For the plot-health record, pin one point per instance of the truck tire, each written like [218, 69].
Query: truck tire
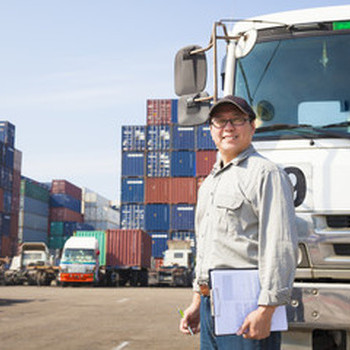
[144, 278]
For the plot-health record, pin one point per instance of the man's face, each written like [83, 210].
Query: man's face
[231, 140]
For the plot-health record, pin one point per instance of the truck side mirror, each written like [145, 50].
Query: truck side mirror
[192, 113]
[190, 71]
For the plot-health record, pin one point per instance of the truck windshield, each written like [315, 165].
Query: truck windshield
[78, 255]
[31, 258]
[298, 84]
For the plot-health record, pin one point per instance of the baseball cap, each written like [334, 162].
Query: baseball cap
[238, 102]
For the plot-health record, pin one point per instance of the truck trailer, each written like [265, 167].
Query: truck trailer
[293, 68]
[109, 258]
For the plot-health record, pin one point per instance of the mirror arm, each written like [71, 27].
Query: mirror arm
[213, 44]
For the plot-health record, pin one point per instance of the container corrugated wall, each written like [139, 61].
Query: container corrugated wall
[64, 214]
[183, 164]
[133, 190]
[66, 201]
[133, 164]
[157, 217]
[133, 138]
[183, 138]
[102, 240]
[204, 162]
[183, 190]
[204, 140]
[159, 243]
[182, 217]
[128, 248]
[65, 187]
[157, 190]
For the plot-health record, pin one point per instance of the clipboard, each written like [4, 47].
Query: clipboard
[234, 294]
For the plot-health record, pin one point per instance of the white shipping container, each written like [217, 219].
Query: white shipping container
[101, 214]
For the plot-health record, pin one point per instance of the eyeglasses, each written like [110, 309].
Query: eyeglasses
[221, 123]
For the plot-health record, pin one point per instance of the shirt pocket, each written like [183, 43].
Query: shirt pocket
[229, 213]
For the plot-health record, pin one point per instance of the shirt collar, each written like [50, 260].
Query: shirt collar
[236, 161]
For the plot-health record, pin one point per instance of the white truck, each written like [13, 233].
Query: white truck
[79, 262]
[294, 69]
[33, 265]
[177, 267]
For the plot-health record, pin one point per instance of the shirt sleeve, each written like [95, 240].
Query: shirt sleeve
[277, 238]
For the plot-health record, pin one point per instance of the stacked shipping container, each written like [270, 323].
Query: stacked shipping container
[161, 174]
[33, 219]
[98, 211]
[10, 181]
[65, 212]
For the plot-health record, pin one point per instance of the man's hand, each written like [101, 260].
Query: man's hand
[257, 324]
[191, 316]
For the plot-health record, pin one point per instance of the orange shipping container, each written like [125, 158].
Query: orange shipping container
[183, 190]
[204, 162]
[157, 190]
[64, 214]
[127, 248]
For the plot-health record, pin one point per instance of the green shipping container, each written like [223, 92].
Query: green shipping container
[101, 238]
[57, 242]
[32, 190]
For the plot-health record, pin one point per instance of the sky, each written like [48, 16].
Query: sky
[72, 72]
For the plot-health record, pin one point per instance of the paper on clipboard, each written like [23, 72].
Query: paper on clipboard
[234, 295]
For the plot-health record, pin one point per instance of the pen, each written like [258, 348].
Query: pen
[182, 316]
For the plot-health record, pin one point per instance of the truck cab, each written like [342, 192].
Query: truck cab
[79, 261]
[293, 68]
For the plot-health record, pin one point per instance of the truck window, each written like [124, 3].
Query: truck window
[286, 78]
[78, 255]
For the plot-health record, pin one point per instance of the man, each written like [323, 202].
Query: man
[244, 219]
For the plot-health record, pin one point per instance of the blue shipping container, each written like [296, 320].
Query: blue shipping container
[133, 164]
[7, 133]
[34, 206]
[158, 164]
[133, 138]
[183, 164]
[30, 235]
[157, 217]
[5, 224]
[204, 140]
[182, 217]
[35, 222]
[7, 201]
[9, 157]
[183, 137]
[133, 190]
[159, 244]
[174, 104]
[132, 216]
[158, 137]
[65, 201]
[6, 178]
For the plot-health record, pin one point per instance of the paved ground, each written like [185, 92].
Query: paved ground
[71, 318]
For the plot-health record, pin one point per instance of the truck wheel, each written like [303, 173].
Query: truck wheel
[134, 279]
[144, 279]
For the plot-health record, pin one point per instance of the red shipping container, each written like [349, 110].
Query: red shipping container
[1, 200]
[183, 190]
[159, 112]
[128, 248]
[8, 246]
[157, 190]
[64, 214]
[63, 186]
[14, 225]
[204, 162]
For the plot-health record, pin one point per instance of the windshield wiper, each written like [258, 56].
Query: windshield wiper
[336, 125]
[322, 131]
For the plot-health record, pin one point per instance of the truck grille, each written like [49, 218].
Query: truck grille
[342, 249]
[338, 221]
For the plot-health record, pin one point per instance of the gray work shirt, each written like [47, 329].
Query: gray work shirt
[245, 218]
